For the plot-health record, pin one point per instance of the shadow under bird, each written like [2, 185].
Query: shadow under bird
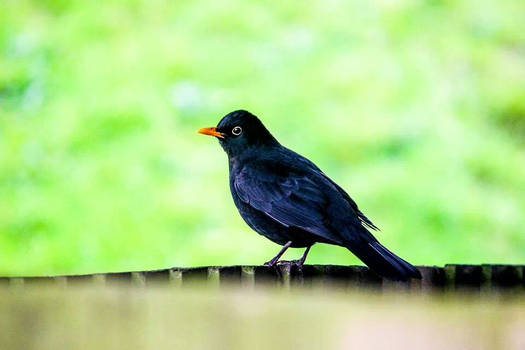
[289, 200]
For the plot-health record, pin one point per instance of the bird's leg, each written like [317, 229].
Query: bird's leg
[281, 252]
[299, 263]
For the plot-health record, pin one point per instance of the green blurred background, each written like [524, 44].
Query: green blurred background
[416, 108]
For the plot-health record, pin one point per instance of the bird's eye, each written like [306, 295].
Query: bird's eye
[237, 130]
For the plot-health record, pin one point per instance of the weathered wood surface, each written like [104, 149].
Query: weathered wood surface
[473, 278]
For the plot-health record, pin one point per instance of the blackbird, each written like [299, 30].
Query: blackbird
[289, 200]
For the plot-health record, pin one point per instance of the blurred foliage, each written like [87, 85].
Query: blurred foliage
[416, 108]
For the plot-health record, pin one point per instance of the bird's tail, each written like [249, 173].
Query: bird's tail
[383, 262]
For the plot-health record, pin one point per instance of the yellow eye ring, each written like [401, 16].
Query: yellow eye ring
[237, 130]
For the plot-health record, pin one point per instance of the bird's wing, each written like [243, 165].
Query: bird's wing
[364, 220]
[294, 199]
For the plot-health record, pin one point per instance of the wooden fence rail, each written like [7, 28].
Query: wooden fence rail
[482, 278]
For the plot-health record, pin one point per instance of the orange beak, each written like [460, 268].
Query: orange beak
[211, 131]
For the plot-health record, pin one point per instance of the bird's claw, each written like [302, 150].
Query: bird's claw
[270, 263]
[298, 263]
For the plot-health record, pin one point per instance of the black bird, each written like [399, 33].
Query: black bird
[289, 200]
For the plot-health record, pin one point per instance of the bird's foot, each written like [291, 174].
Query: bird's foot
[298, 263]
[270, 263]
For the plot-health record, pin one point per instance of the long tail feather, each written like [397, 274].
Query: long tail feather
[384, 262]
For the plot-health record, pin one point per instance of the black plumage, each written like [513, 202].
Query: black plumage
[288, 199]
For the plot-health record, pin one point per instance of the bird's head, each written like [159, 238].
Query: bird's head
[238, 131]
